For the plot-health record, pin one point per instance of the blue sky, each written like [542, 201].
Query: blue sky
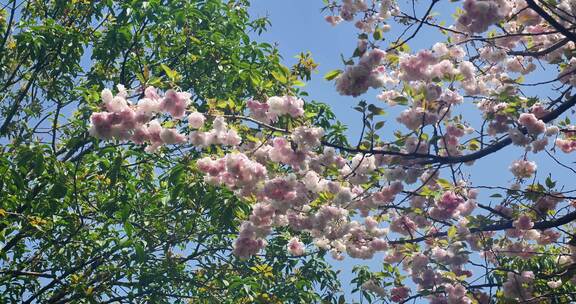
[298, 26]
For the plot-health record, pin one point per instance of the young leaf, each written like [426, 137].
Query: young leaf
[169, 72]
[332, 74]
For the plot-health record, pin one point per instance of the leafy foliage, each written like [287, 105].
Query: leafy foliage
[86, 221]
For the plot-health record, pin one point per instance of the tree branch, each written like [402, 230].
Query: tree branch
[543, 225]
[532, 4]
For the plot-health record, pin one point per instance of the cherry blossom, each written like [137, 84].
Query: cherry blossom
[407, 195]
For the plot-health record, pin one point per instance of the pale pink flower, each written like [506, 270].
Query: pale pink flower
[524, 222]
[295, 246]
[196, 120]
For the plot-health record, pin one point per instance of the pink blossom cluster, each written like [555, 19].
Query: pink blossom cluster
[495, 112]
[285, 105]
[175, 103]
[250, 240]
[282, 189]
[196, 120]
[259, 111]
[568, 143]
[307, 137]
[414, 145]
[369, 72]
[419, 265]
[282, 152]
[451, 205]
[554, 284]
[220, 134]
[124, 121]
[451, 140]
[547, 203]
[454, 256]
[234, 170]
[521, 249]
[403, 225]
[359, 241]
[528, 238]
[269, 111]
[525, 15]
[568, 73]
[523, 168]
[399, 294]
[137, 123]
[545, 237]
[390, 97]
[524, 222]
[539, 110]
[545, 41]
[457, 294]
[373, 12]
[451, 97]
[518, 286]
[480, 14]
[534, 127]
[350, 7]
[295, 246]
[417, 67]
[385, 196]
[283, 202]
[520, 64]
[414, 118]
[532, 124]
[567, 11]
[438, 64]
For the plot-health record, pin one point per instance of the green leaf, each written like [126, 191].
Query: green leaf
[401, 100]
[180, 18]
[279, 76]
[332, 74]
[550, 183]
[169, 72]
[58, 191]
[376, 110]
[452, 232]
[378, 34]
[444, 183]
[140, 253]
[474, 145]
[298, 83]
[426, 191]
